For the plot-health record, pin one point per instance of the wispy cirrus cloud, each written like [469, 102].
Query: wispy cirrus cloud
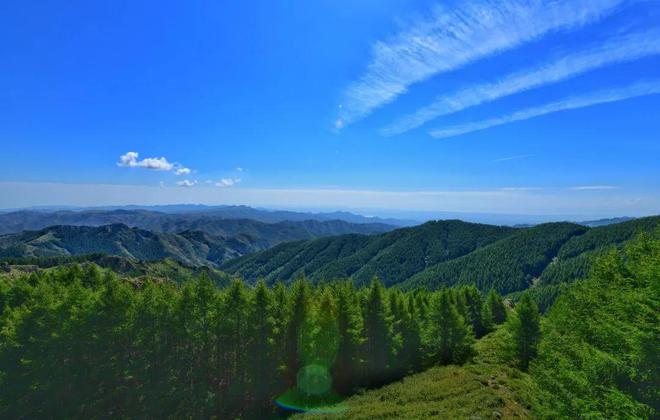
[522, 189]
[508, 158]
[594, 187]
[587, 100]
[452, 38]
[620, 49]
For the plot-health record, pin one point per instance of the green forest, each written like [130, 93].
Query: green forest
[80, 341]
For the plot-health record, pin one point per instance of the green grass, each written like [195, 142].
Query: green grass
[485, 388]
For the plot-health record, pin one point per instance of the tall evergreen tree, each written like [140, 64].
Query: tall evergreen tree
[378, 336]
[449, 339]
[474, 308]
[261, 352]
[411, 350]
[349, 321]
[526, 330]
[298, 316]
[494, 311]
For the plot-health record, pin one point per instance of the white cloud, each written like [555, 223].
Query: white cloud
[186, 183]
[617, 50]
[182, 171]
[522, 189]
[239, 169]
[596, 98]
[452, 38]
[508, 158]
[228, 182]
[130, 160]
[594, 187]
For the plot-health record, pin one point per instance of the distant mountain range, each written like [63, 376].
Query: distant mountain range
[605, 222]
[32, 216]
[274, 231]
[150, 236]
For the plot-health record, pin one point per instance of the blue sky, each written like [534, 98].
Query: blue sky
[527, 107]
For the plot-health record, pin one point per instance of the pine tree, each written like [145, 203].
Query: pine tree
[411, 351]
[449, 339]
[474, 307]
[526, 330]
[293, 346]
[349, 322]
[494, 311]
[378, 336]
[261, 352]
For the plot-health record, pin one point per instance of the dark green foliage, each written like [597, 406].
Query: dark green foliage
[575, 258]
[78, 341]
[599, 354]
[346, 370]
[543, 296]
[507, 265]
[445, 253]
[449, 337]
[525, 328]
[393, 257]
[494, 311]
[469, 298]
[379, 343]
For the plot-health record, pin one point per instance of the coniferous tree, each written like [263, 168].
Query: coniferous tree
[378, 335]
[526, 330]
[234, 323]
[494, 311]
[474, 308]
[449, 338]
[261, 351]
[346, 369]
[411, 351]
[298, 316]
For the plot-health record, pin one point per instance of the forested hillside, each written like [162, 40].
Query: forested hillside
[445, 253]
[597, 358]
[77, 341]
[574, 258]
[508, 265]
[392, 257]
[197, 241]
[192, 248]
[134, 271]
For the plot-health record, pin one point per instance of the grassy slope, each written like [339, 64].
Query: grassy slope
[484, 388]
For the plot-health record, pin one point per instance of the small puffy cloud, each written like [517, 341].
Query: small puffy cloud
[227, 182]
[130, 160]
[239, 169]
[186, 183]
[182, 171]
[339, 124]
